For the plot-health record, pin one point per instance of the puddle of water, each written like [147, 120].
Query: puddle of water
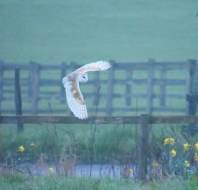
[81, 170]
[85, 170]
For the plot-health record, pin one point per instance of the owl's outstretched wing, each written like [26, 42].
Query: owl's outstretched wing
[74, 97]
[95, 66]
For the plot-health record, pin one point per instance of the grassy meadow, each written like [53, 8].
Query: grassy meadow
[83, 31]
[57, 141]
[18, 182]
[90, 143]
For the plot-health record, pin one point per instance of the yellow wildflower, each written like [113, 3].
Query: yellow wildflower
[155, 164]
[172, 141]
[196, 156]
[21, 149]
[166, 141]
[186, 164]
[131, 171]
[186, 147]
[173, 153]
[196, 146]
[169, 140]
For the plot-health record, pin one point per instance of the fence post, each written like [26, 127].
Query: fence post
[96, 99]
[34, 83]
[109, 103]
[1, 84]
[128, 91]
[192, 96]
[143, 134]
[150, 86]
[163, 86]
[18, 103]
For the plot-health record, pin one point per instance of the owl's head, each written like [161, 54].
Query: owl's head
[83, 78]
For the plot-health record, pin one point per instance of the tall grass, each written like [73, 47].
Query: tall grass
[53, 141]
[111, 142]
[19, 182]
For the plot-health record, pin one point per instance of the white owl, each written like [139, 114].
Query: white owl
[74, 96]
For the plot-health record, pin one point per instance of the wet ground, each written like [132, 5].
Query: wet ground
[81, 170]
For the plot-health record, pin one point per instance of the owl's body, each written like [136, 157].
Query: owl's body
[74, 96]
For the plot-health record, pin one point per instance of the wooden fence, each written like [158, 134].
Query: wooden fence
[143, 131]
[126, 89]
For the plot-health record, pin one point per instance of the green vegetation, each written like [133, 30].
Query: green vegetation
[103, 144]
[56, 141]
[19, 182]
[83, 31]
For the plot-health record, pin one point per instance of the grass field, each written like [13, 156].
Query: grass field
[83, 31]
[105, 144]
[110, 142]
[88, 30]
[18, 182]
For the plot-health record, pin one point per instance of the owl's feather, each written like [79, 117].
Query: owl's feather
[95, 66]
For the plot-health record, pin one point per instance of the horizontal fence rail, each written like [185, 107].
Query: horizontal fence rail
[32, 119]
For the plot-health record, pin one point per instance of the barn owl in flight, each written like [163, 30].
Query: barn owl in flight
[74, 96]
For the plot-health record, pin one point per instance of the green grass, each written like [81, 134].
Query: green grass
[83, 31]
[109, 142]
[55, 141]
[19, 182]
